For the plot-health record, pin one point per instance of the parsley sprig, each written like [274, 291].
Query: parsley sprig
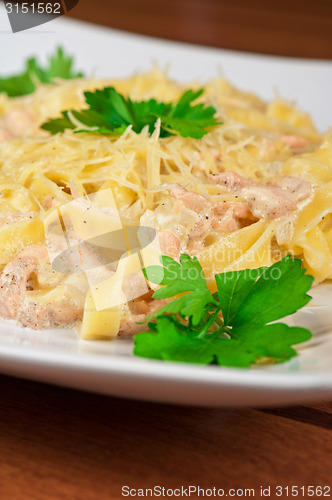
[109, 112]
[232, 327]
[60, 65]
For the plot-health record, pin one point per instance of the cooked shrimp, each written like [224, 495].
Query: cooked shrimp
[18, 121]
[231, 180]
[4, 312]
[268, 202]
[169, 243]
[297, 187]
[210, 216]
[5, 135]
[222, 216]
[294, 141]
[274, 200]
[136, 311]
[18, 278]
[190, 199]
[15, 123]
[230, 216]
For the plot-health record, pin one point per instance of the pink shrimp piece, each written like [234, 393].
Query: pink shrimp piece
[191, 200]
[18, 121]
[299, 188]
[268, 202]
[294, 141]
[231, 180]
[231, 215]
[17, 274]
[276, 199]
[137, 311]
[17, 279]
[4, 312]
[169, 244]
[5, 135]
[195, 241]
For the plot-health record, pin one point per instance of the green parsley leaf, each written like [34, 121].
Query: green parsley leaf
[242, 293]
[275, 292]
[18, 85]
[191, 328]
[110, 112]
[186, 276]
[169, 343]
[59, 65]
[188, 120]
[59, 123]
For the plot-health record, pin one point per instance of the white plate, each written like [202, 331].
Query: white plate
[57, 356]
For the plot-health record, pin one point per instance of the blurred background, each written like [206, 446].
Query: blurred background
[301, 28]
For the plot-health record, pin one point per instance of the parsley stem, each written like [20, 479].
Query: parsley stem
[220, 322]
[208, 324]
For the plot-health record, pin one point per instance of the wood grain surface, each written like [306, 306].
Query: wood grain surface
[60, 444]
[288, 27]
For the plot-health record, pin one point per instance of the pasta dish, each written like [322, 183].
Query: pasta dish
[253, 189]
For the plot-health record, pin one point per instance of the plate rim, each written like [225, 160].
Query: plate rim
[34, 362]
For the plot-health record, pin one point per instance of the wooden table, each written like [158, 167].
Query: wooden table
[59, 444]
[288, 27]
